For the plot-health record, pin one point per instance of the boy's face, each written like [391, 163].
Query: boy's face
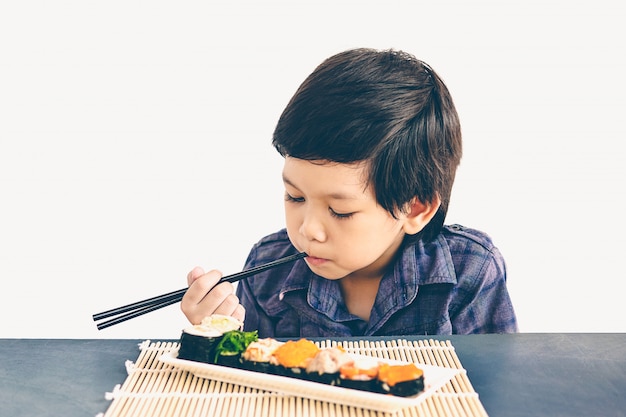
[333, 216]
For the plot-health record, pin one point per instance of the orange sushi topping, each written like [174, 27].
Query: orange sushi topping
[294, 354]
[392, 374]
[357, 371]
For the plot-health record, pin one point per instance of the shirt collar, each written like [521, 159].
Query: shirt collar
[297, 279]
[427, 263]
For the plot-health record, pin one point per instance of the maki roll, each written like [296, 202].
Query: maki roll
[361, 374]
[198, 342]
[258, 354]
[220, 340]
[401, 380]
[292, 357]
[229, 349]
[325, 365]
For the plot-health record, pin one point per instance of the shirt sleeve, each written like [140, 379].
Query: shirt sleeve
[255, 318]
[483, 301]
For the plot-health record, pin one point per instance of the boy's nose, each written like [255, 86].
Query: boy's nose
[312, 229]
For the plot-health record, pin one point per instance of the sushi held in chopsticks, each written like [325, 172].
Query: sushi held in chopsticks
[220, 340]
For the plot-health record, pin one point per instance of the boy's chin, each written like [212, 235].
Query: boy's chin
[326, 274]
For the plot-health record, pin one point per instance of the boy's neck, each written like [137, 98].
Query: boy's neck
[359, 294]
[360, 288]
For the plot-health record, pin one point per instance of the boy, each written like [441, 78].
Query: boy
[371, 142]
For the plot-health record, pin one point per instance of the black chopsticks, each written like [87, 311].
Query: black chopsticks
[130, 311]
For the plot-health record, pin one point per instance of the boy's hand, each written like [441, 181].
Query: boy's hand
[203, 299]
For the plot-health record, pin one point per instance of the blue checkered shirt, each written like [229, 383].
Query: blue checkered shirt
[454, 284]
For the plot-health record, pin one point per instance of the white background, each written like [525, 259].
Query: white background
[135, 144]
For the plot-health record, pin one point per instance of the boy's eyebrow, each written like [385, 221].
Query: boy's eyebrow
[335, 196]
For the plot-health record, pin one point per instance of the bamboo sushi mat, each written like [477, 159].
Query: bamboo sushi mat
[155, 389]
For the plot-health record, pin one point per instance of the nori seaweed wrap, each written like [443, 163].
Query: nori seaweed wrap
[197, 348]
[198, 342]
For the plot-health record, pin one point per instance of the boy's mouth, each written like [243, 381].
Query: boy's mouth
[312, 260]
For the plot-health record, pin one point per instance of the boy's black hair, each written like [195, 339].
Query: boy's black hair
[384, 107]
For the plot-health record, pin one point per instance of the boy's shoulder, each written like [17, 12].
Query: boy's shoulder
[277, 238]
[271, 247]
[459, 233]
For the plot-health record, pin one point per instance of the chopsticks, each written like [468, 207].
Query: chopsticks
[130, 311]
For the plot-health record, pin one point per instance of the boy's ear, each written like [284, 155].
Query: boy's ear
[419, 214]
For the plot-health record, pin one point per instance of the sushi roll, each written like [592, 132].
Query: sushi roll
[198, 342]
[292, 357]
[258, 354]
[229, 349]
[325, 365]
[220, 340]
[404, 380]
[361, 374]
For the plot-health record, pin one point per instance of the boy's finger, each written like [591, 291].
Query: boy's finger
[194, 274]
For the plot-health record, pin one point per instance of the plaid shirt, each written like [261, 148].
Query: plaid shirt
[455, 284]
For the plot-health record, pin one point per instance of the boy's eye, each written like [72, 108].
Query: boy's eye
[339, 215]
[293, 199]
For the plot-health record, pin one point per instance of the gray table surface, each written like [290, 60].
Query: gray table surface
[515, 375]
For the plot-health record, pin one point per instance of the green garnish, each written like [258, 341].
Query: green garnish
[235, 342]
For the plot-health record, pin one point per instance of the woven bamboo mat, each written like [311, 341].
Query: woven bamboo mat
[155, 389]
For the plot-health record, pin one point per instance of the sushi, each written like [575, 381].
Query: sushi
[258, 355]
[403, 380]
[361, 374]
[231, 346]
[220, 340]
[292, 357]
[325, 365]
[198, 342]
